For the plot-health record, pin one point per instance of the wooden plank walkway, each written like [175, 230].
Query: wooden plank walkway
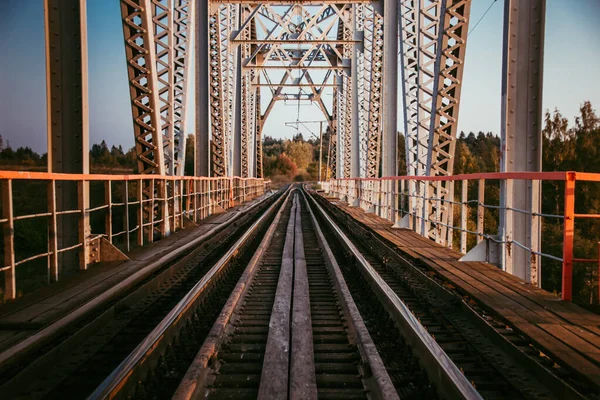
[24, 316]
[565, 331]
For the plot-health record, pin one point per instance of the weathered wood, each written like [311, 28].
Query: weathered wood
[274, 379]
[303, 380]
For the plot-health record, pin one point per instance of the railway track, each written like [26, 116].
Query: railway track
[497, 360]
[295, 306]
[72, 364]
[289, 328]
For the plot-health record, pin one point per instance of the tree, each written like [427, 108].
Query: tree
[401, 154]
[301, 153]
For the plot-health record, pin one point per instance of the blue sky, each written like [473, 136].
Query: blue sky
[572, 60]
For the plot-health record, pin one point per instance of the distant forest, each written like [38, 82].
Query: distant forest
[566, 148]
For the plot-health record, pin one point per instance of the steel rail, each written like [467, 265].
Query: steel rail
[449, 380]
[382, 385]
[48, 333]
[115, 381]
[192, 383]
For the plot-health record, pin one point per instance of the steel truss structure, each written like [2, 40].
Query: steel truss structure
[263, 52]
[432, 50]
[157, 37]
[299, 51]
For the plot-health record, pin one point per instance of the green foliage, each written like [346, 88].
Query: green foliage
[300, 152]
[572, 149]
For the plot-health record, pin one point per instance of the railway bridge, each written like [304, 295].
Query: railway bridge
[365, 284]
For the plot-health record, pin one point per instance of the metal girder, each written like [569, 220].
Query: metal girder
[138, 32]
[157, 34]
[444, 126]
[389, 97]
[203, 90]
[292, 2]
[299, 42]
[67, 127]
[344, 105]
[183, 26]
[222, 22]
[521, 137]
[372, 96]
[157, 45]
[332, 157]
[259, 126]
[433, 44]
[246, 101]
[311, 46]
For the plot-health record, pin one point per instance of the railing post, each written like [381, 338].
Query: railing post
[507, 229]
[480, 209]
[140, 197]
[463, 215]
[127, 239]
[52, 233]
[108, 216]
[396, 203]
[425, 223]
[598, 254]
[164, 205]
[438, 213]
[402, 198]
[209, 196]
[231, 198]
[568, 231]
[450, 232]
[10, 283]
[535, 268]
[180, 211]
[84, 223]
[151, 212]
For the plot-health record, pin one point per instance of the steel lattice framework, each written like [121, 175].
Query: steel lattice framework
[432, 46]
[263, 52]
[157, 45]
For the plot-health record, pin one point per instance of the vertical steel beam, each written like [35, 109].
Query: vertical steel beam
[202, 38]
[390, 88]
[67, 111]
[8, 233]
[140, 52]
[237, 108]
[183, 18]
[521, 138]
[354, 133]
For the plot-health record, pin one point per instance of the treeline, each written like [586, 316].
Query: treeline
[102, 159]
[293, 160]
[565, 148]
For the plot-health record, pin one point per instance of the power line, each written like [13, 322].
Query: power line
[482, 17]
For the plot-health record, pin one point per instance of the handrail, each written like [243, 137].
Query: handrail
[141, 208]
[116, 379]
[31, 175]
[392, 198]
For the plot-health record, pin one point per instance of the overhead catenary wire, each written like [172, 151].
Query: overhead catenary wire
[482, 17]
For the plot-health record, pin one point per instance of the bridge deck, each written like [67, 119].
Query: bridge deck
[21, 318]
[565, 331]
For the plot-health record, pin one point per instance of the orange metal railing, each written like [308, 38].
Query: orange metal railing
[148, 207]
[390, 198]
